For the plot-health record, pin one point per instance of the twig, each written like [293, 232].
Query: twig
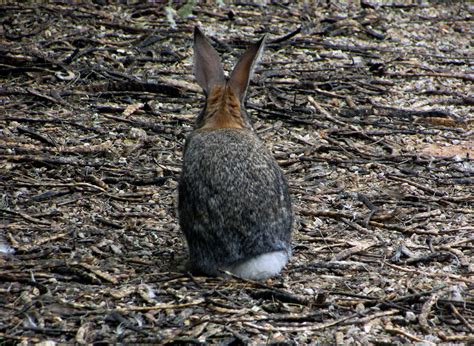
[426, 309]
[353, 250]
[409, 336]
[158, 306]
[373, 209]
[465, 77]
[437, 275]
[38, 242]
[286, 37]
[419, 186]
[306, 327]
[35, 135]
[25, 216]
[461, 318]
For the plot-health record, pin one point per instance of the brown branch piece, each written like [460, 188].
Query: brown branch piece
[465, 77]
[426, 309]
[46, 97]
[461, 318]
[419, 186]
[362, 246]
[400, 331]
[24, 216]
[43, 240]
[324, 112]
[160, 306]
[463, 260]
[98, 273]
[326, 213]
[437, 275]
[271, 292]
[35, 135]
[305, 327]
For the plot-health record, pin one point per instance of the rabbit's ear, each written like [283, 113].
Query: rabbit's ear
[207, 64]
[242, 73]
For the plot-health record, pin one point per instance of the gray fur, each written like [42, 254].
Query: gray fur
[233, 200]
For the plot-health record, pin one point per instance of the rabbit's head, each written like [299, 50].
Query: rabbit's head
[224, 96]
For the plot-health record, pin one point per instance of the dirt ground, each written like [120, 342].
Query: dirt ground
[368, 108]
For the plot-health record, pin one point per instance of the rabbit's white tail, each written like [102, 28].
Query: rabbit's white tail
[262, 266]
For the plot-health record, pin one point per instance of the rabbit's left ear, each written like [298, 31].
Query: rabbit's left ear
[242, 73]
[207, 64]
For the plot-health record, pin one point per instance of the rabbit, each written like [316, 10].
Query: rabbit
[234, 206]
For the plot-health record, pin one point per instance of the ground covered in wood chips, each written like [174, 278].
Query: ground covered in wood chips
[368, 109]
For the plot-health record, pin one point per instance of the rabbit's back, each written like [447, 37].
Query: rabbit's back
[233, 199]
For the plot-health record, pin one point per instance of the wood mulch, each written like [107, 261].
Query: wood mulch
[368, 108]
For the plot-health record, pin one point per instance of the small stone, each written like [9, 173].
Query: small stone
[410, 316]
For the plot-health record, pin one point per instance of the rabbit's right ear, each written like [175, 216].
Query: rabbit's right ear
[240, 77]
[207, 64]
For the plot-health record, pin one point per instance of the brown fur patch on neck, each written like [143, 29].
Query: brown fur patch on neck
[223, 109]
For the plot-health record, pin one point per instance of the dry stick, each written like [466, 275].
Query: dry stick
[287, 36]
[273, 292]
[333, 265]
[59, 149]
[324, 112]
[242, 338]
[420, 186]
[316, 327]
[326, 213]
[129, 196]
[466, 77]
[27, 339]
[463, 260]
[70, 185]
[356, 226]
[427, 214]
[183, 85]
[339, 338]
[42, 241]
[373, 209]
[402, 229]
[353, 250]
[293, 317]
[82, 331]
[157, 307]
[50, 160]
[321, 326]
[437, 256]
[366, 319]
[108, 222]
[98, 273]
[344, 217]
[12, 240]
[196, 331]
[461, 317]
[46, 97]
[469, 339]
[223, 310]
[463, 241]
[420, 272]
[426, 308]
[326, 93]
[409, 336]
[25, 216]
[52, 121]
[329, 117]
[35, 135]
[143, 124]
